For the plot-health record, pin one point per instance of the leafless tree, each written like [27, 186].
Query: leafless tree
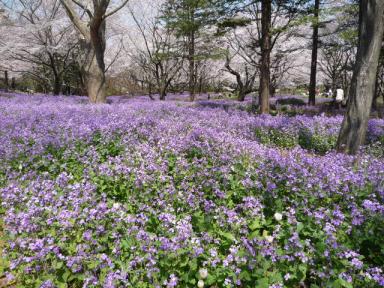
[51, 44]
[158, 56]
[337, 64]
[245, 81]
[246, 44]
[94, 41]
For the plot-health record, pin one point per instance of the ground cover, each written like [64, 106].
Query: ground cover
[141, 193]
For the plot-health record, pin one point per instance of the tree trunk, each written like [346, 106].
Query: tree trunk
[272, 90]
[376, 93]
[354, 126]
[200, 84]
[13, 83]
[192, 72]
[150, 91]
[315, 42]
[163, 92]
[94, 68]
[56, 85]
[239, 81]
[6, 81]
[265, 55]
[241, 96]
[95, 80]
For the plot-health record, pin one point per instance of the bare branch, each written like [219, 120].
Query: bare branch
[80, 25]
[116, 9]
[84, 7]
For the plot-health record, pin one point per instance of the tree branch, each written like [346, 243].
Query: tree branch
[116, 9]
[82, 6]
[80, 25]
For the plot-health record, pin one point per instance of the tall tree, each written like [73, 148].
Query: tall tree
[379, 87]
[315, 43]
[265, 71]
[245, 41]
[94, 41]
[190, 19]
[354, 126]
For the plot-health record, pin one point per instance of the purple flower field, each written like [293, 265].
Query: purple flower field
[141, 193]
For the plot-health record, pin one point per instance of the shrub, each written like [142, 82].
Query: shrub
[275, 137]
[315, 142]
[290, 101]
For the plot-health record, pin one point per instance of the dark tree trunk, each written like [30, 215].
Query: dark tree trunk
[163, 93]
[239, 81]
[192, 70]
[150, 91]
[81, 87]
[265, 73]
[354, 126]
[315, 42]
[200, 84]
[6, 80]
[272, 90]
[13, 83]
[56, 85]
[241, 96]
[56, 76]
[57, 88]
[377, 92]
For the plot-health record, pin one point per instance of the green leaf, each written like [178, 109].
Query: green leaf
[227, 236]
[255, 224]
[193, 265]
[341, 283]
[300, 227]
[244, 275]
[262, 283]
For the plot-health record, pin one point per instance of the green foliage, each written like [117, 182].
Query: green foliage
[316, 142]
[367, 239]
[187, 16]
[275, 137]
[107, 147]
[257, 220]
[376, 149]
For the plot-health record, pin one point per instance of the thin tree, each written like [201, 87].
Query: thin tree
[191, 19]
[315, 43]
[246, 39]
[94, 41]
[354, 126]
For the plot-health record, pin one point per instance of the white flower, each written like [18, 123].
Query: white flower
[269, 238]
[116, 205]
[200, 284]
[203, 272]
[278, 216]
